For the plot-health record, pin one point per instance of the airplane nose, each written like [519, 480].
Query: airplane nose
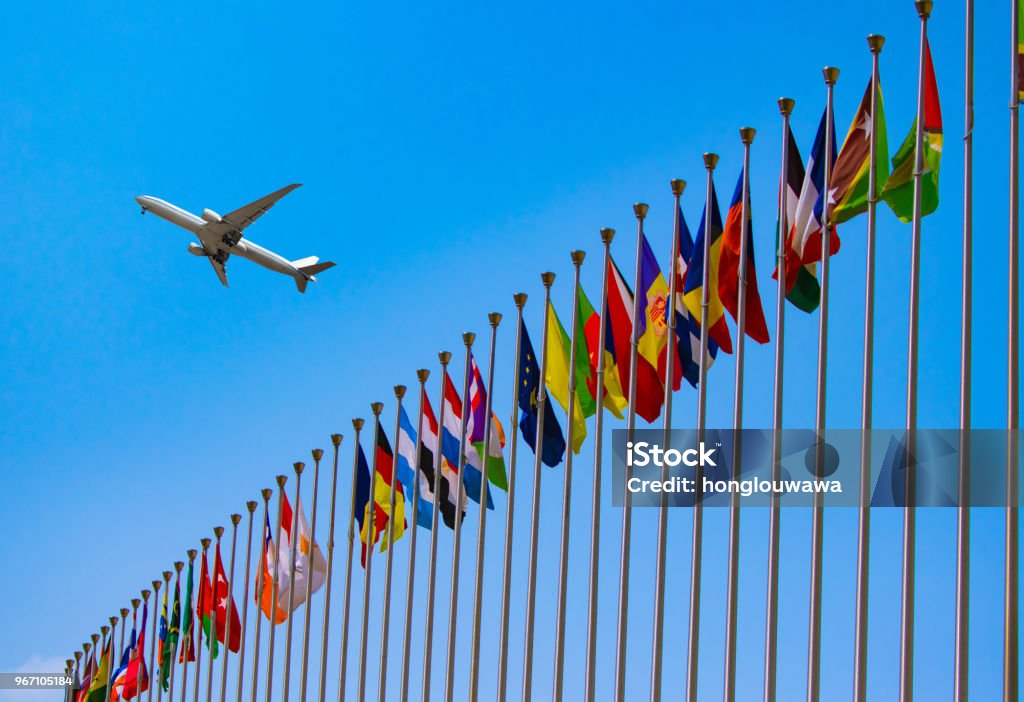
[141, 199]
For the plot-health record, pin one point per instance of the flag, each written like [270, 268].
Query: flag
[382, 490]
[475, 430]
[556, 376]
[449, 483]
[687, 325]
[221, 589]
[589, 331]
[371, 518]
[117, 681]
[729, 268]
[802, 286]
[264, 594]
[89, 671]
[188, 647]
[451, 436]
[693, 281]
[414, 481]
[204, 606]
[169, 632]
[652, 336]
[530, 388]
[306, 566]
[136, 679]
[803, 243]
[849, 181]
[97, 691]
[618, 329]
[899, 190]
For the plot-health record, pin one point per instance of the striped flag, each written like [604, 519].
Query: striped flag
[693, 281]
[475, 429]
[688, 325]
[265, 594]
[849, 181]
[589, 332]
[729, 268]
[136, 679]
[556, 377]
[372, 519]
[424, 477]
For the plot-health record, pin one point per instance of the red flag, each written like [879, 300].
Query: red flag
[136, 679]
[222, 590]
[729, 268]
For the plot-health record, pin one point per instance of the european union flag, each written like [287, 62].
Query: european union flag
[529, 384]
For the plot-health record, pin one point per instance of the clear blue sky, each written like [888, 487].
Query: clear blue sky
[450, 153]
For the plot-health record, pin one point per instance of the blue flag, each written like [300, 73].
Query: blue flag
[687, 325]
[529, 385]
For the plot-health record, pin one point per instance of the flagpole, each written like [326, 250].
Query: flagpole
[212, 638]
[317, 455]
[506, 583]
[110, 673]
[199, 636]
[110, 668]
[376, 408]
[78, 680]
[1010, 609]
[235, 519]
[924, 8]
[563, 561]
[260, 585]
[251, 507]
[428, 637]
[422, 374]
[86, 647]
[453, 611]
[385, 629]
[818, 514]
[659, 562]
[293, 547]
[478, 598]
[336, 441]
[595, 507]
[963, 513]
[142, 645]
[120, 647]
[875, 43]
[357, 424]
[640, 210]
[178, 565]
[696, 554]
[152, 640]
[275, 580]
[531, 588]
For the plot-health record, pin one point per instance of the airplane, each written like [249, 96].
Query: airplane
[221, 236]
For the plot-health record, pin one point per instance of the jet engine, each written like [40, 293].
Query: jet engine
[211, 217]
[196, 250]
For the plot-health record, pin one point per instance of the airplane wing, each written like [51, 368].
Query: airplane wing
[246, 215]
[218, 266]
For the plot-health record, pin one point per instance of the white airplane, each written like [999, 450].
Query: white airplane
[221, 236]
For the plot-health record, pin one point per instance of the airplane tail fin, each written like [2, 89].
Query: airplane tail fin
[309, 268]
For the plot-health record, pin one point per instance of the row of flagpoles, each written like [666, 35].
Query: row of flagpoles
[630, 359]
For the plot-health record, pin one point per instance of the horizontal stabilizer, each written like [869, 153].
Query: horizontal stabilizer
[307, 261]
[316, 268]
[306, 273]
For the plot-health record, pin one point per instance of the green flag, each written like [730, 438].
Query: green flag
[188, 648]
[98, 688]
[556, 377]
[850, 174]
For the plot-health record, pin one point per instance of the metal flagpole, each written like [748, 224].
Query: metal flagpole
[212, 638]
[293, 547]
[506, 582]
[531, 588]
[199, 620]
[178, 565]
[317, 455]
[113, 665]
[860, 675]
[924, 8]
[818, 509]
[357, 424]
[369, 516]
[1010, 609]
[120, 646]
[428, 636]
[76, 683]
[385, 629]
[422, 374]
[262, 566]
[563, 561]
[142, 635]
[336, 441]
[963, 513]
[235, 519]
[152, 636]
[478, 597]
[640, 210]
[251, 507]
[670, 356]
[732, 589]
[89, 645]
[696, 553]
[772, 618]
[105, 629]
[275, 580]
[453, 612]
[184, 665]
[595, 506]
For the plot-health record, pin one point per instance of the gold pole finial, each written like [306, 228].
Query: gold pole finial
[236, 518]
[520, 299]
[298, 466]
[78, 656]
[468, 338]
[422, 374]
[577, 257]
[281, 480]
[267, 493]
[607, 234]
[146, 593]
[376, 408]
[125, 610]
[547, 278]
[205, 543]
[710, 160]
[135, 605]
[831, 74]
[640, 209]
[105, 629]
[678, 186]
[218, 531]
[924, 8]
[444, 357]
[113, 620]
[875, 43]
[192, 553]
[494, 318]
[157, 583]
[251, 506]
[168, 574]
[747, 134]
[358, 423]
[317, 454]
[178, 565]
[336, 440]
[400, 391]
[786, 105]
